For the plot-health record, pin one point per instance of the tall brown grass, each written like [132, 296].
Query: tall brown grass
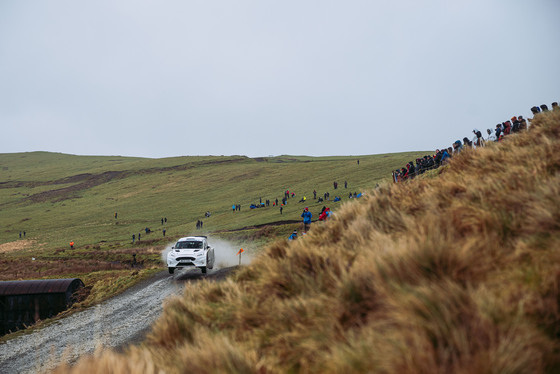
[454, 274]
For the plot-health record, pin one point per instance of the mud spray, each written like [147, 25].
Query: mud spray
[225, 253]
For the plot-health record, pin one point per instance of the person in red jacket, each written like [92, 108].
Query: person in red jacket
[326, 213]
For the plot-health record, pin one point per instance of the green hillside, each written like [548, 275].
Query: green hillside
[56, 198]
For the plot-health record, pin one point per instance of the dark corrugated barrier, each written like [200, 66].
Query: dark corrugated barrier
[22, 303]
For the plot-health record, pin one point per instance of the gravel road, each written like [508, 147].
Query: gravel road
[116, 323]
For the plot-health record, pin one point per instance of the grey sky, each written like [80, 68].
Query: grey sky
[257, 78]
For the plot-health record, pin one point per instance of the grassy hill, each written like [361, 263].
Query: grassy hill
[459, 273]
[58, 198]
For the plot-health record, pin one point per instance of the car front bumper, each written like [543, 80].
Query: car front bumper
[178, 259]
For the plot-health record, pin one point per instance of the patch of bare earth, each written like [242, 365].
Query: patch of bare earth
[16, 246]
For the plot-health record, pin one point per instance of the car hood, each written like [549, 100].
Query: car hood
[186, 251]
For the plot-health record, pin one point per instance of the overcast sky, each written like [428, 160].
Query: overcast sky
[258, 78]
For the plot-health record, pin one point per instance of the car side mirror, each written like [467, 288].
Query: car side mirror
[172, 247]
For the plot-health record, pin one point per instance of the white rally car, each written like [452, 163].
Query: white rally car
[191, 251]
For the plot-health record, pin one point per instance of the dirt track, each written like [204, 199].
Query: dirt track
[116, 323]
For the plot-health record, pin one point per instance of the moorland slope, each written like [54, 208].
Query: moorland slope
[459, 273]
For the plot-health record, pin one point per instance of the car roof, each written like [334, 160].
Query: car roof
[192, 238]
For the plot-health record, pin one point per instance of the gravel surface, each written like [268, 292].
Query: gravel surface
[116, 323]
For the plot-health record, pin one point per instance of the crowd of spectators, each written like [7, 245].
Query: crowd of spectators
[442, 156]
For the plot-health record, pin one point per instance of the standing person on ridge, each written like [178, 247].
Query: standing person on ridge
[306, 219]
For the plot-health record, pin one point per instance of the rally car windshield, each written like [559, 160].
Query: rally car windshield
[189, 244]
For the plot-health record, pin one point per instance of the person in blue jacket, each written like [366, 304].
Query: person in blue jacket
[293, 236]
[306, 219]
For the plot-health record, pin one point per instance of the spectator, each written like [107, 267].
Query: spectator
[522, 123]
[514, 124]
[293, 236]
[457, 146]
[535, 110]
[410, 170]
[478, 139]
[491, 136]
[544, 108]
[507, 127]
[499, 131]
[326, 213]
[555, 106]
[444, 157]
[306, 219]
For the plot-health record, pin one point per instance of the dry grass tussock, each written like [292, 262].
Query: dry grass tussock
[459, 273]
